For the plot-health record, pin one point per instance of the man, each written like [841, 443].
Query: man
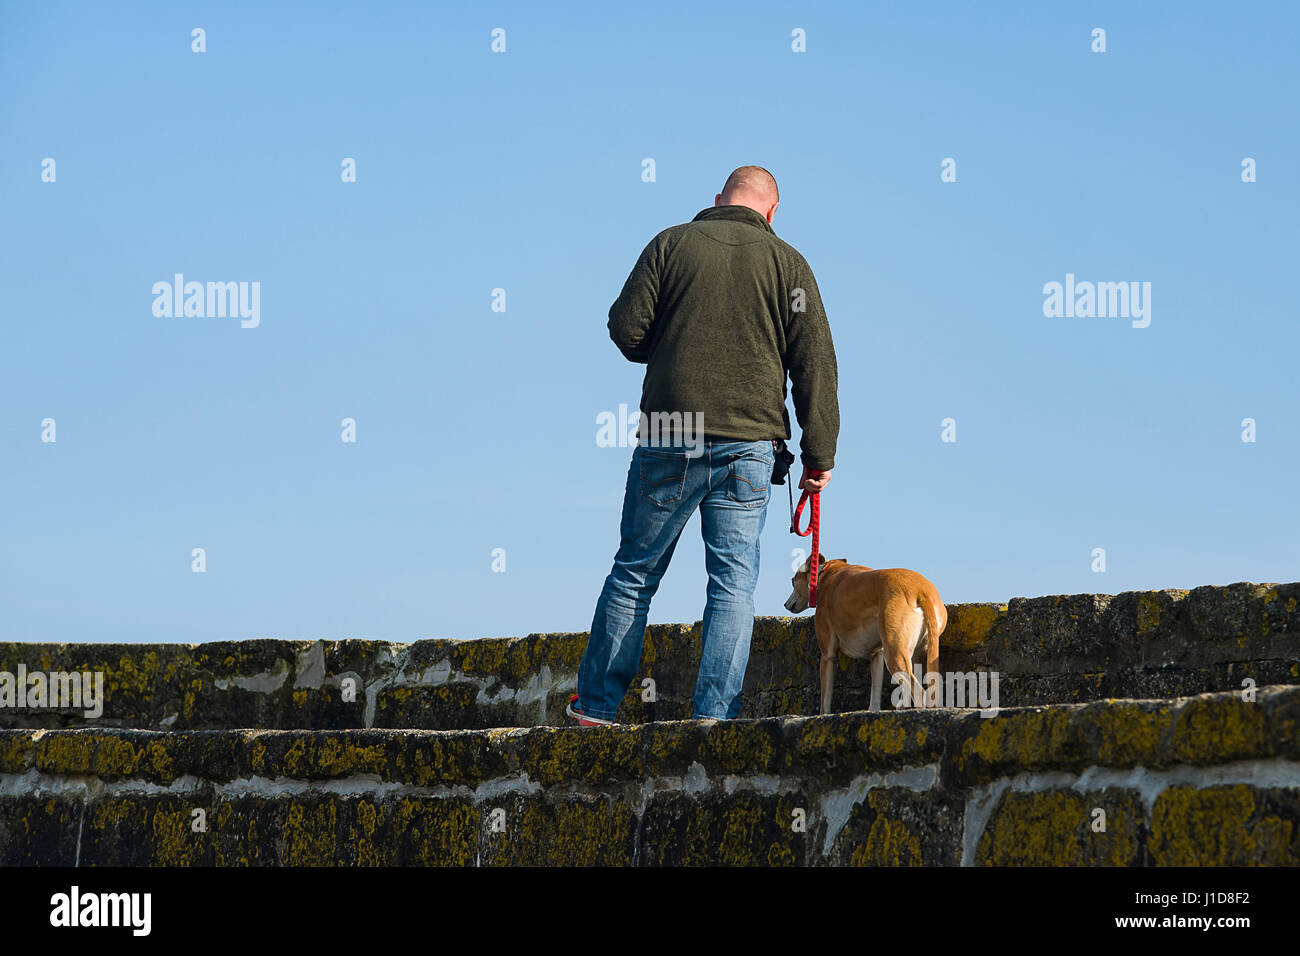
[718, 309]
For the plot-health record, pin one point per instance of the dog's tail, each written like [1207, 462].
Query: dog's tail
[931, 606]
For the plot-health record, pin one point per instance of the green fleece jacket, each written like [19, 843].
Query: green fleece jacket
[720, 310]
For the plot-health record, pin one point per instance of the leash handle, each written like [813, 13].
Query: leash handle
[814, 529]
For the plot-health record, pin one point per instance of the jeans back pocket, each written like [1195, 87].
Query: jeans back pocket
[663, 475]
[749, 479]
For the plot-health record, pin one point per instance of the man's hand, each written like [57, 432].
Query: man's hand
[814, 481]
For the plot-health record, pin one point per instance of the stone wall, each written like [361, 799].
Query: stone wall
[1148, 728]
[1059, 649]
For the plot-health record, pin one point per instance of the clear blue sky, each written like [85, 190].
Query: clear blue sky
[477, 429]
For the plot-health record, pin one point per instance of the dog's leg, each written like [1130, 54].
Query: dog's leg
[919, 662]
[936, 619]
[899, 627]
[877, 677]
[920, 669]
[826, 642]
[828, 682]
[900, 667]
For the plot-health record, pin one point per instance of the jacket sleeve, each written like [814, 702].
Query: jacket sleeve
[814, 374]
[632, 316]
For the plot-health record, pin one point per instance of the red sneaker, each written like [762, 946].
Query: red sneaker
[582, 719]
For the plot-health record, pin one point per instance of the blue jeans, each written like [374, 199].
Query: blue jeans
[730, 482]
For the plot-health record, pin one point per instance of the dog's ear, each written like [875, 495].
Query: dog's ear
[845, 560]
[821, 559]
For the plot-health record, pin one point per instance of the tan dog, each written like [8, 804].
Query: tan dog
[890, 615]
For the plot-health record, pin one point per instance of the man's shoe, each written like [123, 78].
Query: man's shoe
[583, 720]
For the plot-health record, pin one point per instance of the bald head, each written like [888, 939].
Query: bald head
[751, 186]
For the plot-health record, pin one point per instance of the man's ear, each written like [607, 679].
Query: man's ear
[717, 199]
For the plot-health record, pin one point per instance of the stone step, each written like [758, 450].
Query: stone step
[1207, 780]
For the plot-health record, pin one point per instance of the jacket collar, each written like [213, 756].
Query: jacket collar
[736, 214]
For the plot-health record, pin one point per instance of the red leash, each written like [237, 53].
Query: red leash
[814, 528]
[781, 476]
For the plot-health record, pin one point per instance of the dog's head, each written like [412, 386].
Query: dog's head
[797, 602]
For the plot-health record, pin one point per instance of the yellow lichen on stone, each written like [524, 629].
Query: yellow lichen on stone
[739, 747]
[789, 700]
[370, 851]
[109, 811]
[258, 759]
[14, 752]
[889, 842]
[886, 735]
[191, 699]
[649, 650]
[485, 656]
[663, 739]
[1148, 612]
[824, 734]
[159, 760]
[562, 748]
[1128, 735]
[1212, 827]
[573, 833]
[175, 842]
[970, 626]
[95, 753]
[328, 755]
[1054, 828]
[309, 836]
[745, 821]
[1219, 729]
[743, 824]
[1025, 738]
[437, 832]
[556, 755]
